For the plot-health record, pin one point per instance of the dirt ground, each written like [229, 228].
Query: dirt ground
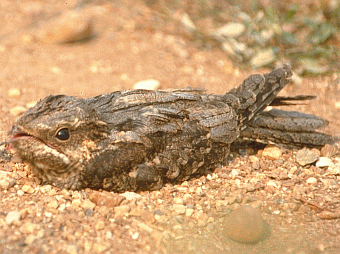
[126, 47]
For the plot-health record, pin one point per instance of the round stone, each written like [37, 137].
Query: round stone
[246, 225]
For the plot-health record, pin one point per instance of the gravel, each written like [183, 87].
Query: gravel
[125, 46]
[254, 199]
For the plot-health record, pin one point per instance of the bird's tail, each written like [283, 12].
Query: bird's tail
[256, 93]
[289, 128]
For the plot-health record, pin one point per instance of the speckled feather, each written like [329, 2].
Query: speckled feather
[139, 139]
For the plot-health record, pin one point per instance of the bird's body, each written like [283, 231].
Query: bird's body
[138, 139]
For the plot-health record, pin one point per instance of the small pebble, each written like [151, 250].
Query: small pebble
[275, 184]
[234, 173]
[232, 199]
[221, 203]
[27, 38]
[337, 104]
[199, 191]
[30, 104]
[53, 204]
[28, 228]
[71, 26]
[17, 110]
[14, 92]
[52, 192]
[329, 151]
[27, 189]
[312, 180]
[211, 220]
[5, 183]
[88, 212]
[100, 225]
[87, 246]
[149, 84]
[246, 225]
[179, 209]
[189, 212]
[122, 210]
[99, 247]
[255, 161]
[187, 23]
[87, 204]
[177, 227]
[103, 210]
[2, 48]
[263, 57]
[130, 195]
[105, 199]
[135, 236]
[327, 215]
[48, 215]
[231, 29]
[12, 217]
[45, 188]
[306, 156]
[333, 170]
[178, 200]
[158, 217]
[62, 207]
[324, 162]
[272, 152]
[30, 239]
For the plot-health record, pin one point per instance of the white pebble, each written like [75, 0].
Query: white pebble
[14, 92]
[231, 29]
[234, 173]
[179, 209]
[337, 105]
[149, 84]
[312, 180]
[324, 162]
[12, 217]
[135, 236]
[17, 110]
[189, 212]
[130, 195]
[178, 200]
[48, 215]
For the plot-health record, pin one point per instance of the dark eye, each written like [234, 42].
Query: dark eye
[63, 134]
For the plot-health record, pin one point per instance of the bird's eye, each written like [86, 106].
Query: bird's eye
[63, 134]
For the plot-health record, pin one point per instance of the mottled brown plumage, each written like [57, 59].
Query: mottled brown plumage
[139, 139]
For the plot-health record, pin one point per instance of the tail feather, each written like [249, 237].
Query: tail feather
[275, 126]
[257, 92]
[291, 100]
[288, 128]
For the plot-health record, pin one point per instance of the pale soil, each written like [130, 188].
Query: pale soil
[127, 49]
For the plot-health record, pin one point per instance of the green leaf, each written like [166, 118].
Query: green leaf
[272, 15]
[311, 66]
[321, 34]
[290, 13]
[322, 52]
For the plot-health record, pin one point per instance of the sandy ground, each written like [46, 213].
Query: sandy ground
[127, 47]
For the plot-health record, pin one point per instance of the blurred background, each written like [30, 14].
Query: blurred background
[85, 48]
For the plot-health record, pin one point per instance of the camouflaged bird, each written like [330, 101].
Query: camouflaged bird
[140, 139]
